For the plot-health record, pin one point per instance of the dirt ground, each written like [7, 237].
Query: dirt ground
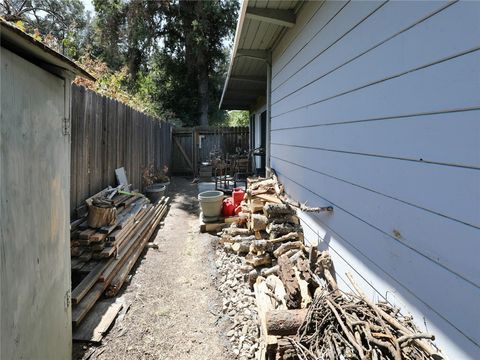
[175, 309]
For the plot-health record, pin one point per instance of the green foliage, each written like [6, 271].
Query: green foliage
[166, 57]
[60, 23]
[238, 118]
[114, 85]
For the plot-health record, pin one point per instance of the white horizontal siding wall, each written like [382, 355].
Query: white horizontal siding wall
[376, 111]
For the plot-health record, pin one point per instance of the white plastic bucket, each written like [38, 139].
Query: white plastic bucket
[211, 203]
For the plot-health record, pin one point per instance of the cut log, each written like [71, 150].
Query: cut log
[255, 260]
[240, 238]
[256, 206]
[325, 268]
[288, 246]
[285, 350]
[278, 229]
[252, 277]
[312, 256]
[303, 266]
[286, 237]
[262, 184]
[273, 210]
[285, 322]
[234, 231]
[246, 268]
[231, 219]
[206, 228]
[261, 246]
[286, 273]
[242, 247]
[259, 222]
[276, 286]
[292, 219]
[304, 292]
[268, 198]
[274, 269]
[264, 304]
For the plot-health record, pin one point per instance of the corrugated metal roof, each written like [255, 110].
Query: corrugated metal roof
[33, 50]
[260, 24]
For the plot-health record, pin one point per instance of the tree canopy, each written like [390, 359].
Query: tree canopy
[168, 57]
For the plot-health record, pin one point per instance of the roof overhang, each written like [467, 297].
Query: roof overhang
[24, 45]
[260, 26]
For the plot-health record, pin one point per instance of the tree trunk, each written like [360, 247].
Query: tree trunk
[187, 10]
[202, 67]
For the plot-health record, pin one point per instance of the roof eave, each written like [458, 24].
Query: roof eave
[238, 32]
[25, 45]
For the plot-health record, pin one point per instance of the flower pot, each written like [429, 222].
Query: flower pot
[155, 192]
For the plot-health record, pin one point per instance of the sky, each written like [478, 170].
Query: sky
[88, 5]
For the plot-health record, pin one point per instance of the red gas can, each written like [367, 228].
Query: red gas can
[237, 195]
[228, 208]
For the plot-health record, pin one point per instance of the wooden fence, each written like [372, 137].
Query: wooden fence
[192, 146]
[106, 135]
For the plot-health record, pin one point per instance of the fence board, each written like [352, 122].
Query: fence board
[107, 134]
[222, 139]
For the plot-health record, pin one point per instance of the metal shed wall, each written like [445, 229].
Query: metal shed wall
[34, 212]
[375, 110]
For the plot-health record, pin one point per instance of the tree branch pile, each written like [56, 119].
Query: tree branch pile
[302, 312]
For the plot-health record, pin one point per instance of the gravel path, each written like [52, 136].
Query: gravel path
[175, 311]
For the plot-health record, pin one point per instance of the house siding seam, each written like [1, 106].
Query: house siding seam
[375, 110]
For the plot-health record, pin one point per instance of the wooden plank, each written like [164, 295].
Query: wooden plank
[97, 237]
[87, 283]
[214, 227]
[87, 234]
[264, 304]
[80, 310]
[77, 264]
[125, 252]
[182, 151]
[98, 321]
[268, 198]
[89, 266]
[74, 224]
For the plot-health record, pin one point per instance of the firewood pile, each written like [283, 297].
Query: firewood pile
[302, 313]
[102, 257]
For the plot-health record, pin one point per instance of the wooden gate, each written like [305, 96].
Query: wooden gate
[191, 146]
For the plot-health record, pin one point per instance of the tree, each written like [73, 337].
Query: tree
[195, 33]
[238, 118]
[64, 20]
[171, 52]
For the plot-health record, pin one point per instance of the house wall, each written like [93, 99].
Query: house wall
[34, 213]
[376, 111]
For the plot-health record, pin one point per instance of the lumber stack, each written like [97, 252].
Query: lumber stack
[102, 258]
[302, 312]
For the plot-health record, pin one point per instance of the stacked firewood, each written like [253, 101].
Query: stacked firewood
[103, 257]
[302, 313]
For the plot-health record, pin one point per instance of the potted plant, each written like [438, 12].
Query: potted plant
[155, 182]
